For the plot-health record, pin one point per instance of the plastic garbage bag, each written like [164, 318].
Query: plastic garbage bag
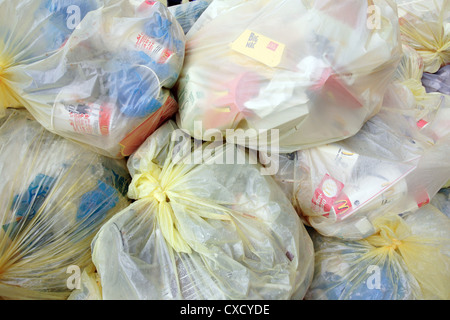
[410, 89]
[315, 84]
[108, 85]
[425, 26]
[409, 75]
[442, 201]
[54, 196]
[407, 259]
[188, 13]
[398, 161]
[201, 228]
[31, 31]
[437, 82]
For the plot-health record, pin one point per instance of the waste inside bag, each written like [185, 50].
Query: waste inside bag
[316, 84]
[201, 228]
[439, 81]
[398, 161]
[409, 74]
[407, 259]
[30, 31]
[442, 201]
[409, 88]
[54, 196]
[108, 86]
[425, 26]
[188, 13]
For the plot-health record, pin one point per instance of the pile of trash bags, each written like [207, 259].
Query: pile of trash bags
[224, 150]
[105, 82]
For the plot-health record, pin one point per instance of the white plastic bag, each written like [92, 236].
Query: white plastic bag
[108, 85]
[201, 229]
[398, 161]
[54, 196]
[314, 80]
[188, 13]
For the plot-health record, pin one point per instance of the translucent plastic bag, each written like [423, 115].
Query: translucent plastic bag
[201, 229]
[439, 81]
[188, 13]
[442, 200]
[407, 259]
[410, 91]
[314, 81]
[409, 74]
[54, 196]
[397, 162]
[425, 26]
[108, 85]
[30, 31]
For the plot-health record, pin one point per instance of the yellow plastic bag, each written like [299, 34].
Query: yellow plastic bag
[408, 258]
[410, 91]
[409, 73]
[201, 228]
[30, 31]
[425, 27]
[106, 84]
[54, 196]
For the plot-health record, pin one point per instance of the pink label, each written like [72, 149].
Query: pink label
[146, 4]
[421, 123]
[422, 199]
[326, 193]
[272, 46]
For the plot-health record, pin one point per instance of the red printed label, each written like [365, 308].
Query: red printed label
[326, 193]
[105, 120]
[421, 123]
[155, 50]
[422, 199]
[82, 117]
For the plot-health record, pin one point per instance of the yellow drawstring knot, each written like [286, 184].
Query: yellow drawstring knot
[8, 95]
[159, 195]
[147, 185]
[395, 244]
